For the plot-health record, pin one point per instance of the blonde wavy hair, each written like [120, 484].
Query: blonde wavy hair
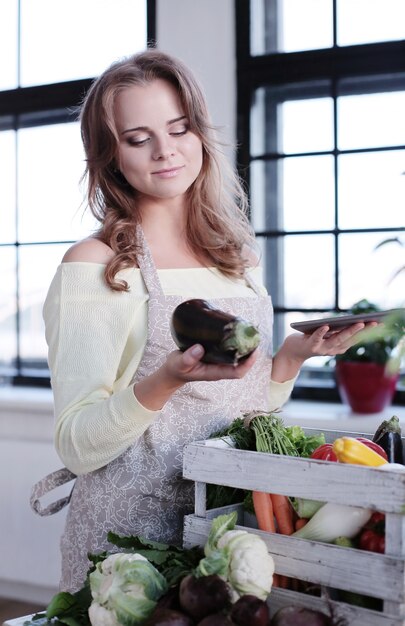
[217, 222]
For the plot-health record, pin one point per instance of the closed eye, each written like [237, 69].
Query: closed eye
[137, 142]
[179, 133]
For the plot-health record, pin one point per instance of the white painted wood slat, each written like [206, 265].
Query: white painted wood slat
[338, 482]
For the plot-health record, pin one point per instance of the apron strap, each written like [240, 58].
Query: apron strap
[147, 266]
[47, 484]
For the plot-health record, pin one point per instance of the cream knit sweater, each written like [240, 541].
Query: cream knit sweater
[96, 339]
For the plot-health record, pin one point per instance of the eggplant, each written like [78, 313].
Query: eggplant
[388, 436]
[225, 338]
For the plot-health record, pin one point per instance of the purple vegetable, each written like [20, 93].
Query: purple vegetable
[168, 617]
[200, 597]
[300, 616]
[217, 619]
[250, 610]
[225, 337]
[170, 600]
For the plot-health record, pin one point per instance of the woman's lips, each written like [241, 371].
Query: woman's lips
[169, 172]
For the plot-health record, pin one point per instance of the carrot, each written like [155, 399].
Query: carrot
[283, 512]
[264, 511]
[300, 522]
[284, 582]
[276, 580]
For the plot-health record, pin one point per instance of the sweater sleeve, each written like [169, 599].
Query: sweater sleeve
[280, 393]
[92, 357]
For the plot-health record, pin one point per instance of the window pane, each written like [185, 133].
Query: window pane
[290, 25]
[309, 271]
[259, 143]
[8, 337]
[261, 174]
[306, 125]
[7, 186]
[37, 267]
[366, 272]
[307, 278]
[8, 44]
[372, 190]
[308, 193]
[305, 25]
[367, 21]
[371, 120]
[51, 161]
[76, 39]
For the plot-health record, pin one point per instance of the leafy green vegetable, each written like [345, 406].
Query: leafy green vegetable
[242, 437]
[270, 433]
[172, 562]
[66, 608]
[304, 444]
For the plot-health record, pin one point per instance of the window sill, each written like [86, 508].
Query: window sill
[30, 413]
[337, 416]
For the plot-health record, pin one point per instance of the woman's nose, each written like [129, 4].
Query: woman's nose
[163, 148]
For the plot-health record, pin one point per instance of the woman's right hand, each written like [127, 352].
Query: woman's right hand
[181, 368]
[187, 366]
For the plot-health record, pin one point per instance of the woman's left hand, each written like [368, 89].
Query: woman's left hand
[299, 346]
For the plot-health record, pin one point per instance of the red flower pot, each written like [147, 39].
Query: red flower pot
[365, 387]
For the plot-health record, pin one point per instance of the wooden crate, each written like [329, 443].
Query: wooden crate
[380, 576]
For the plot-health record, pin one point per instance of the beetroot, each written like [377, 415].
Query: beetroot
[217, 619]
[200, 597]
[168, 617]
[250, 610]
[300, 616]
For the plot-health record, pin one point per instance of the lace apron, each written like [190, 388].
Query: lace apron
[142, 492]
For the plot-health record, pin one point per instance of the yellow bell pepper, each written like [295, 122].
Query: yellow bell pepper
[350, 450]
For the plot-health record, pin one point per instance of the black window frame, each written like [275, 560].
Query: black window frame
[42, 105]
[277, 69]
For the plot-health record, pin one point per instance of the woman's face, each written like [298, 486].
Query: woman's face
[158, 154]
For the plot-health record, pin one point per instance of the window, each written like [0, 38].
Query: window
[54, 50]
[321, 95]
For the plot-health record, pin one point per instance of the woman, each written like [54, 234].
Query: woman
[172, 226]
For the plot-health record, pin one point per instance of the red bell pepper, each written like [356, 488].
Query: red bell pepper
[372, 537]
[325, 452]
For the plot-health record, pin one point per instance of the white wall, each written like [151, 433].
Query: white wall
[202, 34]
[29, 544]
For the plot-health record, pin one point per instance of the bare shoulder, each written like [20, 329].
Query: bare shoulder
[89, 250]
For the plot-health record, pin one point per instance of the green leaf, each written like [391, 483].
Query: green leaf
[135, 542]
[61, 603]
[216, 563]
[219, 526]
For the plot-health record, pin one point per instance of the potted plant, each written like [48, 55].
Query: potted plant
[367, 373]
